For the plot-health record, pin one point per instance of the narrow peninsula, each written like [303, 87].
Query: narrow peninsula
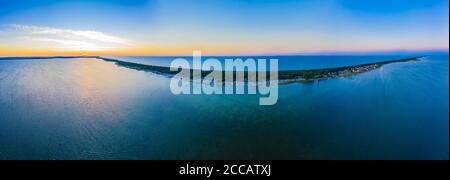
[284, 76]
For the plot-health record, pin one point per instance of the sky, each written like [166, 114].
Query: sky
[221, 27]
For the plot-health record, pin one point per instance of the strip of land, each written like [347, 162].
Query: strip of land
[284, 76]
[293, 76]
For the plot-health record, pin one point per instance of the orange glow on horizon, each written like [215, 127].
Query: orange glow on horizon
[182, 51]
[13, 51]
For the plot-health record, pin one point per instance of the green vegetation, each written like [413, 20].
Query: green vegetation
[337, 71]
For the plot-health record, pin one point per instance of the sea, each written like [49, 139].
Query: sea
[92, 109]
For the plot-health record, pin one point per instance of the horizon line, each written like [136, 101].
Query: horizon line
[324, 53]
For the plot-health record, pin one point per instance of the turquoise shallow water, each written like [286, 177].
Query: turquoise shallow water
[91, 109]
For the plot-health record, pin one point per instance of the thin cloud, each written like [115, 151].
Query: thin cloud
[72, 39]
[69, 44]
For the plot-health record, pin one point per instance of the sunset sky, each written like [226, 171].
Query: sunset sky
[220, 27]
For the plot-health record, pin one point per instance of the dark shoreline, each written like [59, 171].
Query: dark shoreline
[285, 77]
[44, 57]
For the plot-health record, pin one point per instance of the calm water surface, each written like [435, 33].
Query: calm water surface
[91, 109]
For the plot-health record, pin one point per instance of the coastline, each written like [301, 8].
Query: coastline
[304, 76]
[284, 77]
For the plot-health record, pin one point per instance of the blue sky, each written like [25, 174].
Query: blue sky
[222, 26]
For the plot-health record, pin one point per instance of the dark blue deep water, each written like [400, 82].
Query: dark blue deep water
[91, 109]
